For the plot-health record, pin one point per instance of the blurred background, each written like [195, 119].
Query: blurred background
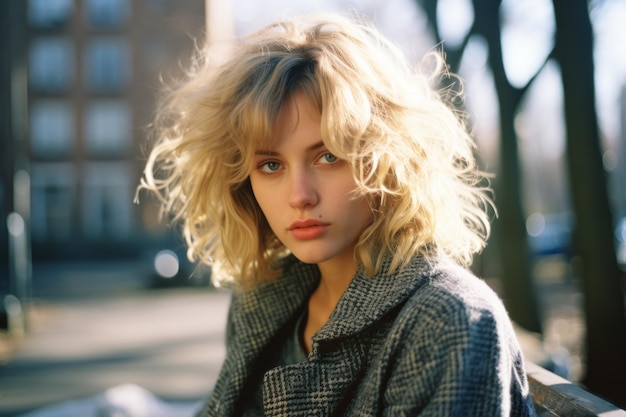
[91, 283]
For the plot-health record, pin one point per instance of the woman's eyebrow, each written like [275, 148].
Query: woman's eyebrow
[316, 146]
[262, 152]
[268, 152]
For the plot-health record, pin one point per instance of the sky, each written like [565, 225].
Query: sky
[400, 20]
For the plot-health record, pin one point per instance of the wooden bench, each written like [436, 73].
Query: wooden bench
[554, 396]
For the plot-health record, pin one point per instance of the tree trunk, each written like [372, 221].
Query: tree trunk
[509, 230]
[603, 295]
[517, 284]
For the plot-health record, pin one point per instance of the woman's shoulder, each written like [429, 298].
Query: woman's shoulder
[453, 296]
[461, 284]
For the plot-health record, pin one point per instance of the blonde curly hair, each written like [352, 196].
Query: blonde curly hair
[409, 149]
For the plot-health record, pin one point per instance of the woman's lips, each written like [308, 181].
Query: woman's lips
[308, 229]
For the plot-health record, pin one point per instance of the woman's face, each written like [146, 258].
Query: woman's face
[305, 192]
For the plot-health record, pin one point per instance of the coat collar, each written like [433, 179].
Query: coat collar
[267, 308]
[261, 312]
[367, 299]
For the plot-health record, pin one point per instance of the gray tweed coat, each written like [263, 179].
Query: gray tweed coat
[433, 340]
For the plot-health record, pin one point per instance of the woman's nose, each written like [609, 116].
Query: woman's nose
[302, 190]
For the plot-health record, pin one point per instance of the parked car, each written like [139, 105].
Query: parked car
[550, 234]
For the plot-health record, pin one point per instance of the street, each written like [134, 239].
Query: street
[81, 342]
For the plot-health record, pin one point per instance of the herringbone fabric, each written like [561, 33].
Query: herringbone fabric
[432, 340]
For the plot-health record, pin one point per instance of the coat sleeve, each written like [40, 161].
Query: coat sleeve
[457, 355]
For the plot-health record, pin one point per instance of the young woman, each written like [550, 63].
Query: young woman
[338, 194]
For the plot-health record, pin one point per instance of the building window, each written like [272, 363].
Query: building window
[107, 200]
[107, 14]
[52, 202]
[51, 65]
[108, 128]
[107, 65]
[49, 14]
[52, 131]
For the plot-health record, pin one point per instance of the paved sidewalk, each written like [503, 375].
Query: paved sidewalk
[167, 341]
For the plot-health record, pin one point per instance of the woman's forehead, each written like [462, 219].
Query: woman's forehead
[291, 112]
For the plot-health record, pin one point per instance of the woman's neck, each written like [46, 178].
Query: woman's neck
[333, 283]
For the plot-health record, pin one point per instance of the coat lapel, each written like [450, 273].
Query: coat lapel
[367, 299]
[312, 388]
[256, 316]
[261, 313]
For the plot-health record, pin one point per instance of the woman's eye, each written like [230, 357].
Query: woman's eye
[328, 158]
[270, 166]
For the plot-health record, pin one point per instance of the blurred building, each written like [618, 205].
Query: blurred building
[94, 69]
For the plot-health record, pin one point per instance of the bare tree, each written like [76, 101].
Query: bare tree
[599, 273]
[510, 232]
